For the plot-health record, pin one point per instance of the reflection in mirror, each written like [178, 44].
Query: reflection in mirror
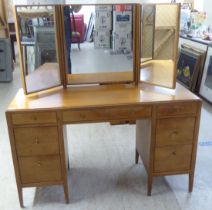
[37, 32]
[159, 68]
[98, 40]
[148, 30]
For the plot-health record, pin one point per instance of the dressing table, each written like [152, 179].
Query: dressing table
[167, 115]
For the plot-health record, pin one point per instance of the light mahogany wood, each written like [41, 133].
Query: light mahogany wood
[98, 96]
[34, 118]
[173, 158]
[174, 131]
[36, 141]
[106, 114]
[96, 78]
[40, 169]
[143, 141]
[166, 110]
[147, 104]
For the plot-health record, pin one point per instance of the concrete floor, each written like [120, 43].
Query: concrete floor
[103, 174]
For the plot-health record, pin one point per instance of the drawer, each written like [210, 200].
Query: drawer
[173, 158]
[173, 131]
[34, 118]
[107, 114]
[40, 169]
[36, 141]
[174, 109]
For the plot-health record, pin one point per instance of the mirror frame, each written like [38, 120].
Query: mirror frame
[61, 49]
[79, 79]
[56, 9]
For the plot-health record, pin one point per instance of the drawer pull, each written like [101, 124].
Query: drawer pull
[83, 116]
[174, 153]
[39, 164]
[175, 132]
[37, 141]
[35, 118]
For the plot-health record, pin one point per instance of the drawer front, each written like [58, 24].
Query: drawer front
[34, 118]
[173, 131]
[36, 141]
[107, 114]
[174, 109]
[172, 159]
[40, 169]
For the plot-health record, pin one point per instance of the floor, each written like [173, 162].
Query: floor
[93, 60]
[103, 174]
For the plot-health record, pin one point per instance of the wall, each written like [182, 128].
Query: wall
[207, 7]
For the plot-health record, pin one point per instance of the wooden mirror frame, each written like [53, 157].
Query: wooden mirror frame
[57, 18]
[166, 81]
[101, 78]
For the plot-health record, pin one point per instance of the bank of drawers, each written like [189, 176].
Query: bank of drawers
[37, 147]
[174, 137]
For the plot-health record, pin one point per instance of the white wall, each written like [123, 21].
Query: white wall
[207, 7]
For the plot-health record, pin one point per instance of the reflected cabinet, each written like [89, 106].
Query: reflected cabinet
[62, 45]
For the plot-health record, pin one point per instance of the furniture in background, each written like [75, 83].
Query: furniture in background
[12, 37]
[5, 47]
[198, 47]
[78, 28]
[6, 74]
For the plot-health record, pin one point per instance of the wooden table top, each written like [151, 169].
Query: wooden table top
[98, 96]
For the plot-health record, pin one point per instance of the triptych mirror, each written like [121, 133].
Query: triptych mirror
[97, 44]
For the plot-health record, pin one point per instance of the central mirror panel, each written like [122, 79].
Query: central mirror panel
[99, 42]
[37, 38]
[159, 44]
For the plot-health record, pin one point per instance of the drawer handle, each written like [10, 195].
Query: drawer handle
[37, 141]
[175, 132]
[83, 116]
[174, 153]
[35, 118]
[39, 164]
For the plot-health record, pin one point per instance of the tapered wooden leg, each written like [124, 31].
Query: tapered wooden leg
[136, 156]
[65, 188]
[20, 196]
[191, 181]
[149, 186]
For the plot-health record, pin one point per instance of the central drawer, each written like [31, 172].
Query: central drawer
[40, 169]
[107, 114]
[36, 141]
